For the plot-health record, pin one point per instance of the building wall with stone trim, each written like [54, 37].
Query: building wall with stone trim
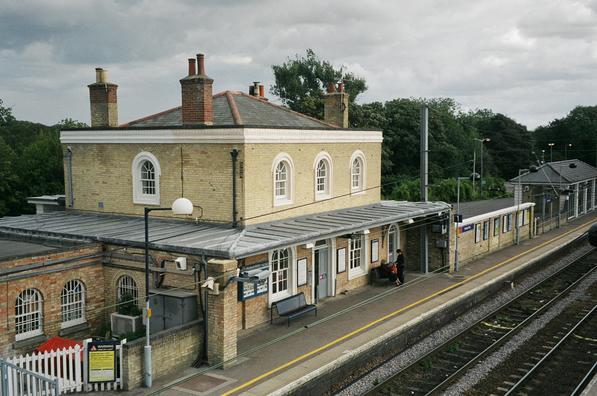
[103, 180]
[469, 250]
[80, 263]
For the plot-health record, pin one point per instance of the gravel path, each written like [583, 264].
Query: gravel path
[479, 371]
[439, 337]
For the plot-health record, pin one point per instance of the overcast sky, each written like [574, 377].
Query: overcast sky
[533, 60]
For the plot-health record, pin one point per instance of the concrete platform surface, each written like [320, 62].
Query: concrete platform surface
[276, 358]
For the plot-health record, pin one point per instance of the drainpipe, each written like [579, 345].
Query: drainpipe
[234, 156]
[69, 159]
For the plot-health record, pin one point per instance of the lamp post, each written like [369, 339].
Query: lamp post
[551, 151]
[542, 156]
[566, 147]
[481, 173]
[181, 206]
[458, 217]
[531, 169]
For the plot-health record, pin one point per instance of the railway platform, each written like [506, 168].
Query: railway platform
[350, 328]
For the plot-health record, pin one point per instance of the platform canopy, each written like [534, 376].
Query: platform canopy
[217, 240]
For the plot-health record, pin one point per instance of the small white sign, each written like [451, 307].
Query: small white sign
[301, 268]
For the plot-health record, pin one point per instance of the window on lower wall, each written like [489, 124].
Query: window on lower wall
[355, 256]
[72, 303]
[280, 273]
[28, 314]
[127, 289]
[496, 226]
[485, 230]
[477, 233]
[509, 216]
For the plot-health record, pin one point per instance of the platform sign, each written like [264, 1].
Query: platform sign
[101, 358]
[467, 227]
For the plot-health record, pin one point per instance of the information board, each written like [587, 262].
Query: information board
[101, 358]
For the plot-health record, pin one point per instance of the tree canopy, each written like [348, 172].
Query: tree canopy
[300, 83]
[30, 161]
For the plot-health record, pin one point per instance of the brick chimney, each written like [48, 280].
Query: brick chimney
[197, 100]
[103, 101]
[335, 106]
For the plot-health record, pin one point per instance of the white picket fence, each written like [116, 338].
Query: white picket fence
[68, 366]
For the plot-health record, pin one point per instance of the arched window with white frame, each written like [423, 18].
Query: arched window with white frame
[280, 277]
[127, 288]
[283, 170]
[323, 176]
[357, 172]
[72, 303]
[28, 314]
[146, 179]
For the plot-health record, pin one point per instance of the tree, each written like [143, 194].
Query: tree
[300, 83]
[578, 128]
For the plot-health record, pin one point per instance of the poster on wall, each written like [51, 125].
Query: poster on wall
[341, 260]
[101, 356]
[301, 269]
[374, 250]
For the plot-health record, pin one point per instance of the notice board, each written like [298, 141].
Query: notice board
[101, 358]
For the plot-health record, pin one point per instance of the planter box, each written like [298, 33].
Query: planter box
[123, 324]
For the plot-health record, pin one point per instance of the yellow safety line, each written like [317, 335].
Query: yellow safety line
[392, 314]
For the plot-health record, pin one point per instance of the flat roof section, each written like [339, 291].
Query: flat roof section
[10, 248]
[217, 240]
[476, 208]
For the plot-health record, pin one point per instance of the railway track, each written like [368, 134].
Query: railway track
[435, 371]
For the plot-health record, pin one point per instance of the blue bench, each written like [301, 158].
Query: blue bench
[292, 307]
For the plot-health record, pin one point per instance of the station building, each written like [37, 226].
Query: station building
[561, 191]
[274, 190]
[490, 225]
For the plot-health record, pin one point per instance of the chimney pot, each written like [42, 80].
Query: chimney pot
[341, 87]
[201, 64]
[331, 87]
[103, 100]
[192, 70]
[261, 90]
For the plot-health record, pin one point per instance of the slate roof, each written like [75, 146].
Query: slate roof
[217, 240]
[237, 108]
[559, 172]
[476, 208]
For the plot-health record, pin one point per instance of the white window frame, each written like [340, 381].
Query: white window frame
[360, 189]
[290, 278]
[361, 270]
[327, 191]
[72, 303]
[30, 313]
[477, 232]
[138, 196]
[287, 198]
[126, 284]
[393, 229]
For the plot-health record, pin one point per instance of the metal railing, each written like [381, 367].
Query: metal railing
[17, 381]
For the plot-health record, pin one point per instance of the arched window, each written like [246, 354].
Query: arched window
[283, 183]
[146, 179]
[72, 303]
[127, 288]
[28, 314]
[357, 172]
[323, 176]
[280, 272]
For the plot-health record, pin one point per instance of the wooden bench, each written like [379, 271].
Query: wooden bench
[292, 307]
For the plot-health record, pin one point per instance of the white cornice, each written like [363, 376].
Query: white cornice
[496, 213]
[221, 135]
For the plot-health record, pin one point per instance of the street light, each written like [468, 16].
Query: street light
[566, 147]
[532, 169]
[481, 175]
[181, 206]
[458, 216]
[551, 151]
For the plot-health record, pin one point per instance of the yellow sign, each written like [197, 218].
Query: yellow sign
[102, 362]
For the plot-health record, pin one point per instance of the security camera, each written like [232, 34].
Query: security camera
[181, 263]
[254, 275]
